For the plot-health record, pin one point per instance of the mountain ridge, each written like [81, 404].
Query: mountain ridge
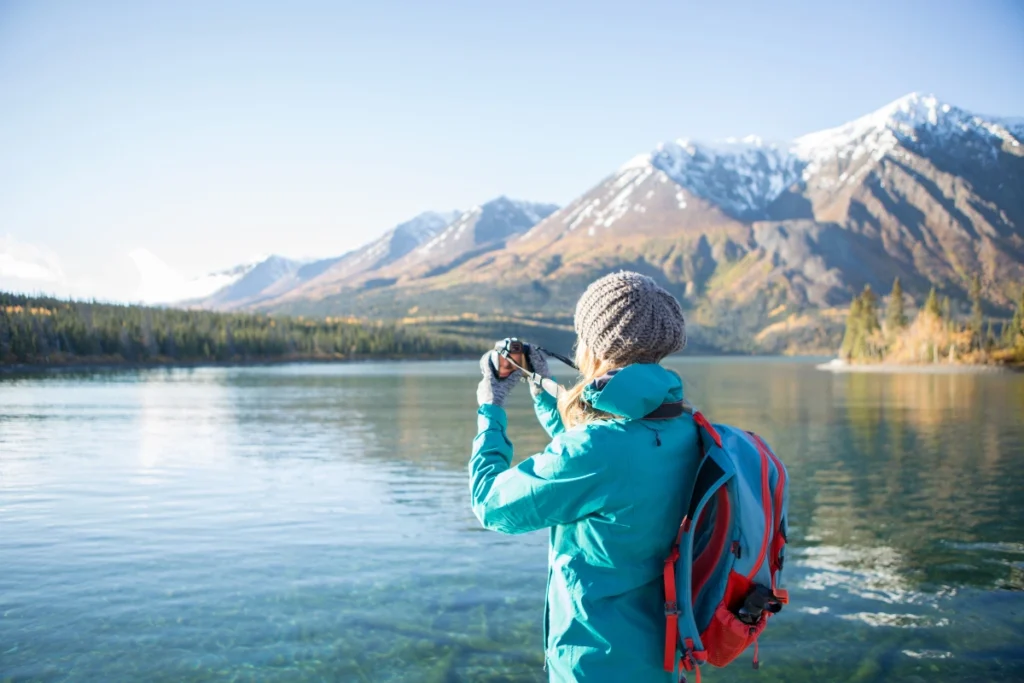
[752, 235]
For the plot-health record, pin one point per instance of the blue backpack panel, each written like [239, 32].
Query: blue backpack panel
[722, 576]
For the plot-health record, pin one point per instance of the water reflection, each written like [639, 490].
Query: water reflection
[897, 465]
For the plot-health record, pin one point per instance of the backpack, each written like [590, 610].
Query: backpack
[721, 578]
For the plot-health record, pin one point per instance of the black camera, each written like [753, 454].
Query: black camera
[508, 348]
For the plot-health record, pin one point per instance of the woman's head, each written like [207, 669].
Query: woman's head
[626, 318]
[621, 319]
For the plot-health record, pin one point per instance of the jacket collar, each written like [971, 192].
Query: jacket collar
[634, 391]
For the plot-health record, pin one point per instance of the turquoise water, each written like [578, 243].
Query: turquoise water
[310, 523]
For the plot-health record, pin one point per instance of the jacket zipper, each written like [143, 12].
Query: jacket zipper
[547, 606]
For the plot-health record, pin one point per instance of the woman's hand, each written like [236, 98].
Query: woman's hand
[537, 362]
[493, 390]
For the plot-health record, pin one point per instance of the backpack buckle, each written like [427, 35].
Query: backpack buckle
[671, 608]
[691, 661]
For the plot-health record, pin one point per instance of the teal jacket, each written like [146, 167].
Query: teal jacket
[613, 494]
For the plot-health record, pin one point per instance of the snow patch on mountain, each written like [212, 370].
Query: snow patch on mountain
[639, 161]
[533, 211]
[426, 225]
[1013, 124]
[742, 176]
[616, 197]
[403, 239]
[455, 230]
[496, 220]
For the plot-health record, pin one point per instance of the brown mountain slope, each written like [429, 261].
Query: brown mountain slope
[761, 242]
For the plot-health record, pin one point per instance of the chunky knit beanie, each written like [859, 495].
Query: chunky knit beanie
[627, 318]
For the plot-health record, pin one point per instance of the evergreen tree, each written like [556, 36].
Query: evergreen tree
[931, 305]
[854, 324]
[869, 313]
[1014, 333]
[947, 312]
[977, 341]
[869, 309]
[44, 330]
[861, 322]
[895, 317]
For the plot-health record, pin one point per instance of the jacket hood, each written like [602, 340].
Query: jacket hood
[634, 391]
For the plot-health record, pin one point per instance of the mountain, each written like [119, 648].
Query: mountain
[391, 247]
[255, 282]
[425, 247]
[161, 284]
[277, 276]
[765, 242]
[481, 229]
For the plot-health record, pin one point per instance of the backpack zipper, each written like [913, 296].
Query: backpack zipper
[766, 498]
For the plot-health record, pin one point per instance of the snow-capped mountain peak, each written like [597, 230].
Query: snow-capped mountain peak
[533, 211]
[875, 133]
[496, 220]
[914, 119]
[426, 225]
[753, 140]
[743, 176]
[400, 240]
[640, 161]
[455, 229]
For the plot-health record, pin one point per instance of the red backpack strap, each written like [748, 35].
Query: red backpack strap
[672, 600]
[702, 422]
[776, 504]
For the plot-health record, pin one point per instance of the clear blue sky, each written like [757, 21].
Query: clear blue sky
[209, 132]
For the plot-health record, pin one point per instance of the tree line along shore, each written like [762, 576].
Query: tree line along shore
[935, 335]
[44, 331]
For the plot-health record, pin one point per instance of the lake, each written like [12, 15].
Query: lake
[311, 523]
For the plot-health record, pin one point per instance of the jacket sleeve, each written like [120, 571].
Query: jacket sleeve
[564, 483]
[546, 407]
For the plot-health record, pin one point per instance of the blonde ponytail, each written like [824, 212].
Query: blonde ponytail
[573, 409]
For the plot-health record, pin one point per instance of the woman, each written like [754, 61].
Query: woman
[611, 485]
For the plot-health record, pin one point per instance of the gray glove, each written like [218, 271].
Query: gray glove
[493, 390]
[538, 363]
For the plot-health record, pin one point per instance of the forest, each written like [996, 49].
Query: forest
[48, 331]
[936, 334]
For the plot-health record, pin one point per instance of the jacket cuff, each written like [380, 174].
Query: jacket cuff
[540, 396]
[491, 417]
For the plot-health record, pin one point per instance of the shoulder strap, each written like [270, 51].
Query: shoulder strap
[666, 411]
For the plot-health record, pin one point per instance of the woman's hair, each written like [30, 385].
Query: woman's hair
[573, 409]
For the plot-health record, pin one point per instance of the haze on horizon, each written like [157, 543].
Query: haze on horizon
[185, 138]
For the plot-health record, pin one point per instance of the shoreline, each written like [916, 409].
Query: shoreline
[107, 365]
[834, 366]
[840, 367]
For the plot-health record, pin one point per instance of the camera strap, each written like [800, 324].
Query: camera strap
[545, 383]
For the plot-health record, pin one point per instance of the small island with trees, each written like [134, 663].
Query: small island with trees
[934, 337]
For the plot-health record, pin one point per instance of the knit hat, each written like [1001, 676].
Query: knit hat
[627, 318]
